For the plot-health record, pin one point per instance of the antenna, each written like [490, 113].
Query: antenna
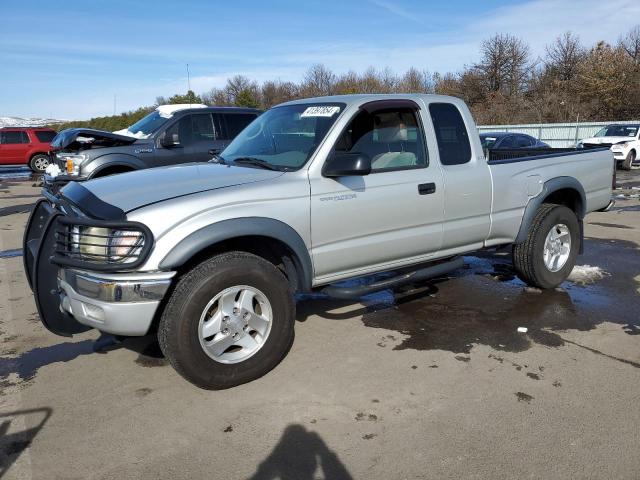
[188, 84]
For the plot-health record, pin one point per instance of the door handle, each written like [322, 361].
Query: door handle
[426, 188]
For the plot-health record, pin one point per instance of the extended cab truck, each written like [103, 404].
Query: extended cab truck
[313, 192]
[169, 135]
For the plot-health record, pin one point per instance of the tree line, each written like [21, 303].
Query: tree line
[569, 82]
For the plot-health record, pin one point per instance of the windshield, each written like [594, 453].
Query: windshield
[618, 131]
[149, 124]
[487, 141]
[283, 138]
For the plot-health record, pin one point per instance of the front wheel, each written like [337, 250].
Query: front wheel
[230, 320]
[547, 256]
[628, 162]
[39, 163]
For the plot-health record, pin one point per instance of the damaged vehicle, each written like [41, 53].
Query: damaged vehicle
[382, 189]
[169, 135]
[624, 141]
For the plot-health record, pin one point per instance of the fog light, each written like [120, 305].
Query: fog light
[94, 312]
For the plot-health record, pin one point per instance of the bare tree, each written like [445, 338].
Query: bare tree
[275, 92]
[564, 56]
[415, 81]
[504, 64]
[318, 80]
[631, 43]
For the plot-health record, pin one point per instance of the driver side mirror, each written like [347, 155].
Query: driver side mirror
[170, 140]
[345, 164]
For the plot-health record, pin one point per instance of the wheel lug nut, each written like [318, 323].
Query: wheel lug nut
[225, 319]
[246, 316]
[235, 335]
[246, 328]
[235, 311]
[225, 331]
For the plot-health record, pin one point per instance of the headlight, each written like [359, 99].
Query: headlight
[106, 244]
[71, 162]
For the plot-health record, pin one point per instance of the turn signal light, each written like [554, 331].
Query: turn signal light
[69, 166]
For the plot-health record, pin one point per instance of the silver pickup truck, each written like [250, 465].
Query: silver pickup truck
[313, 192]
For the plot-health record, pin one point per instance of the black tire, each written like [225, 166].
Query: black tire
[631, 157]
[178, 328]
[528, 257]
[39, 163]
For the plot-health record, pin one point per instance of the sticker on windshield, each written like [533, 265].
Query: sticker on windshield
[320, 112]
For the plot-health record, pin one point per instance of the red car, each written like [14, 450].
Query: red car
[26, 145]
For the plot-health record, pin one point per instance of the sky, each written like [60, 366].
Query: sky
[68, 59]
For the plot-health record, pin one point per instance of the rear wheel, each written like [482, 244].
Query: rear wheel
[230, 320]
[39, 163]
[628, 162]
[545, 259]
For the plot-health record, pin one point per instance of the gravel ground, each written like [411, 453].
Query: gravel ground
[429, 382]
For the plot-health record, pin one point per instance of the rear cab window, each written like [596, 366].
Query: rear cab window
[451, 134]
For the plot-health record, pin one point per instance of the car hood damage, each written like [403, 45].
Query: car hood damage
[132, 190]
[84, 138]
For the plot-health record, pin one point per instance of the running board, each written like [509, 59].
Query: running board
[426, 273]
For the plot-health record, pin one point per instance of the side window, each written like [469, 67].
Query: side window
[202, 127]
[451, 134]
[218, 126]
[236, 123]
[14, 137]
[392, 138]
[181, 131]
[522, 141]
[45, 136]
[508, 142]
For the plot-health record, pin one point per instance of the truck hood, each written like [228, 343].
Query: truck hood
[83, 138]
[131, 190]
[606, 140]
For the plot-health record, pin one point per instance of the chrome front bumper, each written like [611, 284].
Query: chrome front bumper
[121, 304]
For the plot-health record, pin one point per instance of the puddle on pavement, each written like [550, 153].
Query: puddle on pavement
[484, 303]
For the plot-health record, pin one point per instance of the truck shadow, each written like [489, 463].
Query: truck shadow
[15, 437]
[298, 455]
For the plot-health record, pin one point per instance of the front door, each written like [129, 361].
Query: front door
[181, 132]
[387, 218]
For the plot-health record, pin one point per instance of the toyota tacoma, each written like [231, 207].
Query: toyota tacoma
[313, 192]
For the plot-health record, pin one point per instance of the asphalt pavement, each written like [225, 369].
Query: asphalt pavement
[432, 381]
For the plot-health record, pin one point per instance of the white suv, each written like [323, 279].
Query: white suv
[624, 141]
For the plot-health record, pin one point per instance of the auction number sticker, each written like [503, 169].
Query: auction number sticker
[325, 111]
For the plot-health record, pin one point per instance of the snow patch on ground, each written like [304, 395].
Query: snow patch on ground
[586, 274]
[27, 122]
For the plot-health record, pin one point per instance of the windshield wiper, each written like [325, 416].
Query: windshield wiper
[218, 159]
[257, 162]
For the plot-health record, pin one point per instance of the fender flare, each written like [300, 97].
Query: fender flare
[242, 227]
[550, 186]
[109, 160]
